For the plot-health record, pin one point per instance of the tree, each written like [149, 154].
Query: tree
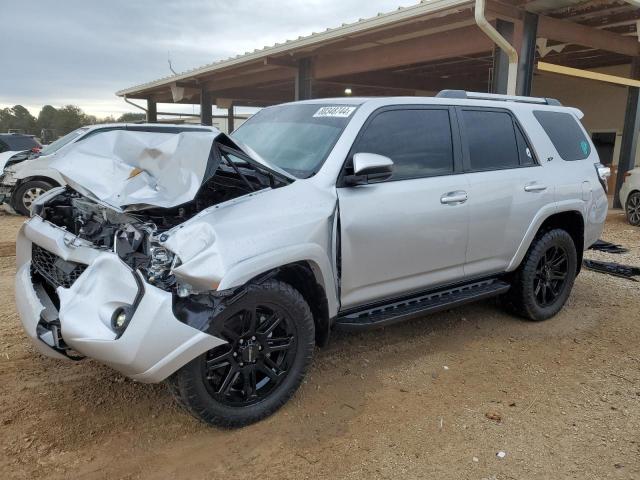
[131, 117]
[47, 117]
[17, 118]
[69, 118]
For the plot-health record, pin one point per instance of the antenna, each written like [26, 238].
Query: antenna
[170, 66]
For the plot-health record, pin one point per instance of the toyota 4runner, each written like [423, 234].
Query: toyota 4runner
[215, 263]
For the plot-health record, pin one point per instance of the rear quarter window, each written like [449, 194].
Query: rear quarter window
[565, 133]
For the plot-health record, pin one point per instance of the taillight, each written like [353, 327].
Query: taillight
[36, 149]
[626, 175]
[603, 175]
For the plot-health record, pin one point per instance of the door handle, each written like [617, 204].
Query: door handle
[534, 187]
[454, 198]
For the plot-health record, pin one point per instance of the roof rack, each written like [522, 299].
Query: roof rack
[463, 94]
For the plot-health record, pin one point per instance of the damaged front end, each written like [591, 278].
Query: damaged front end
[96, 277]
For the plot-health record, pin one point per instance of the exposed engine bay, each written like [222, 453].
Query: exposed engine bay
[137, 236]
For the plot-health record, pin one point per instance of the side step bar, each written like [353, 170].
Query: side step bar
[419, 305]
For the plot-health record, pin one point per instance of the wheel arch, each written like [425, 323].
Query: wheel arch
[572, 221]
[38, 178]
[308, 270]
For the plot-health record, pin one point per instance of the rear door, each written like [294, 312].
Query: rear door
[404, 234]
[507, 187]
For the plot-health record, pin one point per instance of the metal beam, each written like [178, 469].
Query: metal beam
[629, 146]
[588, 74]
[526, 64]
[569, 32]
[500, 77]
[304, 80]
[152, 111]
[453, 43]
[250, 79]
[206, 108]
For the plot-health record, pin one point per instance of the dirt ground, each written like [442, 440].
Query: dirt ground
[434, 398]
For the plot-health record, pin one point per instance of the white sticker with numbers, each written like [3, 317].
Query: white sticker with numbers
[340, 111]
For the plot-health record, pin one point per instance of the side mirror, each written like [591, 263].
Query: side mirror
[369, 168]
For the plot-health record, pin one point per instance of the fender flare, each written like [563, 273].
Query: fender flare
[240, 273]
[543, 214]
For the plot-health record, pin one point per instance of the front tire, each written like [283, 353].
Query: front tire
[632, 209]
[543, 282]
[270, 333]
[27, 193]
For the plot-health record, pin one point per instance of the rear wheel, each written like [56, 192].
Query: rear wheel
[27, 193]
[633, 209]
[543, 282]
[270, 335]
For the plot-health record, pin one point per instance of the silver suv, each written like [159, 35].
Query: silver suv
[216, 263]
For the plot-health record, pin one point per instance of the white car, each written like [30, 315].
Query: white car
[630, 196]
[22, 182]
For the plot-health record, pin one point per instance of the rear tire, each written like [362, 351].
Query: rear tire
[632, 209]
[271, 337]
[543, 282]
[27, 193]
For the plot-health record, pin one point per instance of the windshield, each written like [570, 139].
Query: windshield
[62, 141]
[296, 138]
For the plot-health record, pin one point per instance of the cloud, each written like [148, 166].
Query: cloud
[81, 52]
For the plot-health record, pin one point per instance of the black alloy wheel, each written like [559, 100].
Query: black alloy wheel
[542, 283]
[260, 351]
[551, 276]
[269, 335]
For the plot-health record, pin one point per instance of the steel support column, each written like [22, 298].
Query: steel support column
[304, 80]
[152, 111]
[630, 132]
[527, 60]
[230, 114]
[206, 108]
[501, 60]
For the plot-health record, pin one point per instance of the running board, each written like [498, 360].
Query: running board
[419, 305]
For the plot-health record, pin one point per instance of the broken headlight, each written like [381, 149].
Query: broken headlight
[161, 262]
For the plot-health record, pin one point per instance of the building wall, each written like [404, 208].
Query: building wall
[603, 104]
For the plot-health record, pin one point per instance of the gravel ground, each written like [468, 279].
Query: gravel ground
[438, 397]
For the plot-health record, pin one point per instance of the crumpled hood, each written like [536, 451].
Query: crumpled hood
[139, 169]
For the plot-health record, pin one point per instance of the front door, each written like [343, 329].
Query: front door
[408, 233]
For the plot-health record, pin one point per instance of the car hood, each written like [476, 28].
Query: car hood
[132, 170]
[11, 157]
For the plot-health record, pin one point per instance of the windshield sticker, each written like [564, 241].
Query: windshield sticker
[340, 111]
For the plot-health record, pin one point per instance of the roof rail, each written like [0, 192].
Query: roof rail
[463, 94]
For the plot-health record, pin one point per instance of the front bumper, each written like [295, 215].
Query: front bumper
[154, 345]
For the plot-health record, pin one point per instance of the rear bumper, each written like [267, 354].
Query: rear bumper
[154, 345]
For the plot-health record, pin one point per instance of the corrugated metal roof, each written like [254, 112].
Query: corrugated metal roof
[363, 24]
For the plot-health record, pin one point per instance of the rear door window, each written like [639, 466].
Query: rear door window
[491, 139]
[565, 134]
[419, 141]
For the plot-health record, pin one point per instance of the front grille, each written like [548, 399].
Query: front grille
[55, 270]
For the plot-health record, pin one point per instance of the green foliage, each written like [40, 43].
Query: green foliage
[131, 117]
[54, 122]
[17, 118]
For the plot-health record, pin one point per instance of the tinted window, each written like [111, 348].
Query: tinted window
[565, 134]
[491, 139]
[524, 150]
[18, 143]
[418, 141]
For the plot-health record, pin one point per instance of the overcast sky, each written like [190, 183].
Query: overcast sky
[81, 52]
